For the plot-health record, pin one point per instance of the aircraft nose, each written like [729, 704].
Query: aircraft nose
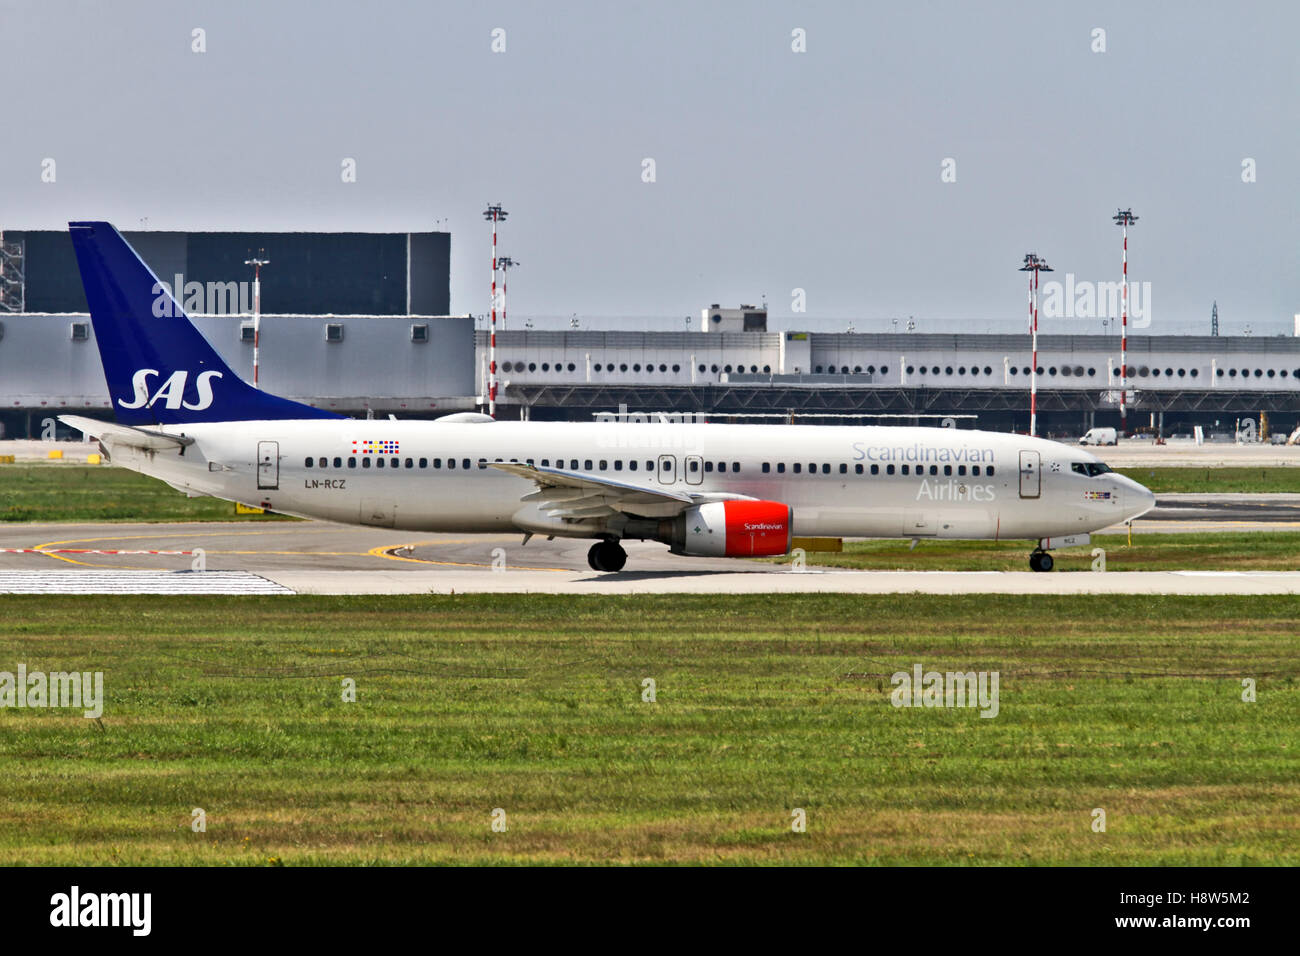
[1138, 499]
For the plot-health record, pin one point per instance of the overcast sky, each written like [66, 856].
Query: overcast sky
[774, 170]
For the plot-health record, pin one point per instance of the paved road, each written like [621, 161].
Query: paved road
[326, 558]
[1141, 453]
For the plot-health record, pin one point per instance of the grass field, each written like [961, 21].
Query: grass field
[765, 704]
[1223, 551]
[100, 493]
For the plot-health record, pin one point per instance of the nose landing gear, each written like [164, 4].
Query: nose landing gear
[607, 555]
[1041, 561]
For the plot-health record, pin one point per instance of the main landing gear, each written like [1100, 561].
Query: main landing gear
[607, 555]
[1040, 561]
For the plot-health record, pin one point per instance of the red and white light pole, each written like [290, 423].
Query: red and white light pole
[1034, 264]
[257, 264]
[506, 264]
[1124, 218]
[496, 214]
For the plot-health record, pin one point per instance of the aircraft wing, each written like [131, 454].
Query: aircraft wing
[577, 495]
[111, 434]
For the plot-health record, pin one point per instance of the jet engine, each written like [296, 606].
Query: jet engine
[731, 529]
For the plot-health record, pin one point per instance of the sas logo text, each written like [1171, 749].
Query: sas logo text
[171, 392]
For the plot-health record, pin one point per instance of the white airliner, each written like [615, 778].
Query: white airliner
[702, 489]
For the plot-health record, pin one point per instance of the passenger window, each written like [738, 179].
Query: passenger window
[905, 469]
[857, 469]
[365, 462]
[529, 460]
[424, 463]
[338, 462]
[573, 464]
[649, 465]
[451, 462]
[780, 468]
[947, 469]
[735, 467]
[410, 463]
[961, 469]
[587, 464]
[324, 463]
[844, 469]
[989, 471]
[826, 468]
[379, 463]
[546, 463]
[708, 466]
[694, 466]
[798, 468]
[767, 467]
[482, 463]
[875, 469]
[309, 463]
[975, 470]
[934, 469]
[352, 463]
[631, 465]
[618, 464]
[437, 463]
[604, 465]
[465, 464]
[889, 469]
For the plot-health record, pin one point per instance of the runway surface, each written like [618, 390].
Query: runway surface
[321, 558]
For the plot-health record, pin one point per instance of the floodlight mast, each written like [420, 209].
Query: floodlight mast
[505, 263]
[1124, 218]
[1034, 264]
[495, 214]
[257, 262]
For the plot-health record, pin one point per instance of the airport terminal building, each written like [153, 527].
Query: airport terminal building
[825, 377]
[360, 323]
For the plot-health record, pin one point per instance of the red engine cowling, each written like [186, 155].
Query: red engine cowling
[734, 529]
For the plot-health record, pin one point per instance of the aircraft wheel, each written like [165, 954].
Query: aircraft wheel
[607, 556]
[1041, 561]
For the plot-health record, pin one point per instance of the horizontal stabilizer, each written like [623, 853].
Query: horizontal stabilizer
[111, 434]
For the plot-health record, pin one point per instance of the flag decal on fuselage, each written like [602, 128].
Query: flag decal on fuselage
[375, 447]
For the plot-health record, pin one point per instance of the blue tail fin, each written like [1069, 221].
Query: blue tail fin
[160, 370]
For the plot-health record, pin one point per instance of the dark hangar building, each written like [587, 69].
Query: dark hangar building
[310, 273]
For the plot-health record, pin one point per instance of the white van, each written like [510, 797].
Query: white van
[1100, 436]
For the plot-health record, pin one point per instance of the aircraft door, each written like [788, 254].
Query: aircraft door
[268, 465]
[667, 471]
[1030, 477]
[694, 469]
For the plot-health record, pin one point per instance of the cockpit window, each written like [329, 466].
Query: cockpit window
[1090, 468]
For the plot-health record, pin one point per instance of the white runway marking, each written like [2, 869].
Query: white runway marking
[58, 581]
